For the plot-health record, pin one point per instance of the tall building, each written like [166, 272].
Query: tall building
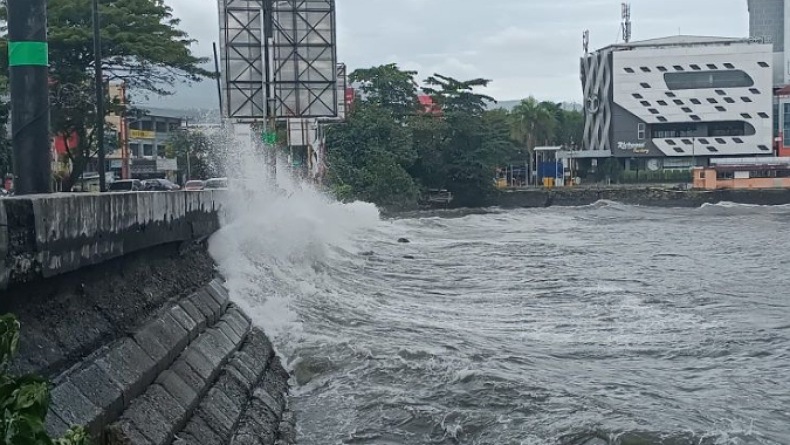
[770, 20]
[670, 102]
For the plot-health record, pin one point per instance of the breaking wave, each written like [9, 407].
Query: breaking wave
[620, 325]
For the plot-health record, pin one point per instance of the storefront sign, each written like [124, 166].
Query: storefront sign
[141, 134]
[639, 148]
[166, 165]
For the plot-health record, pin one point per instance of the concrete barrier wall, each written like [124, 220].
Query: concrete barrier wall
[48, 235]
[658, 197]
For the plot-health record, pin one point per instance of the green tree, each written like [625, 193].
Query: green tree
[193, 150]
[455, 96]
[388, 87]
[368, 157]
[532, 123]
[471, 144]
[142, 46]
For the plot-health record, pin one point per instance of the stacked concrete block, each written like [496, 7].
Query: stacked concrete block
[197, 373]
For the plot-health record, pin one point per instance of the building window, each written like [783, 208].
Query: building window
[746, 115]
[733, 128]
[721, 92]
[712, 100]
[670, 94]
[687, 142]
[695, 101]
[720, 141]
[678, 102]
[663, 69]
[703, 141]
[653, 111]
[764, 64]
[645, 69]
[729, 66]
[134, 149]
[746, 99]
[148, 125]
[695, 118]
[695, 67]
[672, 131]
[763, 115]
[725, 175]
[161, 127]
[644, 85]
[628, 70]
[720, 108]
[671, 142]
[754, 91]
[678, 150]
[729, 100]
[786, 126]
[678, 68]
[641, 131]
[663, 103]
[711, 66]
[661, 119]
[686, 109]
[708, 79]
[737, 140]
[637, 96]
[712, 149]
[148, 150]
[764, 148]
[645, 103]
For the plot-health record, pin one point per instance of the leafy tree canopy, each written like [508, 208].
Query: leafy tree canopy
[389, 87]
[142, 45]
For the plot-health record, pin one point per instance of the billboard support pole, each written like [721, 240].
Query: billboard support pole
[28, 58]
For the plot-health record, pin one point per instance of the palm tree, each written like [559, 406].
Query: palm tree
[532, 123]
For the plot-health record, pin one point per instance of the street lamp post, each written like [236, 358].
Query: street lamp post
[99, 96]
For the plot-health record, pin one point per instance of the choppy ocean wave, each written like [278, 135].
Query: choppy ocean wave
[611, 324]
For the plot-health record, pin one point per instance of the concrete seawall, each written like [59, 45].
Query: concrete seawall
[538, 198]
[44, 236]
[121, 307]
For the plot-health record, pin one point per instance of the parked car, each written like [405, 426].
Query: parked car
[159, 185]
[126, 185]
[194, 186]
[217, 184]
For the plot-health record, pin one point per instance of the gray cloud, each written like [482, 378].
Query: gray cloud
[527, 47]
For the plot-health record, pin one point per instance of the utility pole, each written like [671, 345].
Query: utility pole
[99, 96]
[28, 59]
[269, 125]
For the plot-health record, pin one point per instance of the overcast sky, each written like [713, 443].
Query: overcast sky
[527, 47]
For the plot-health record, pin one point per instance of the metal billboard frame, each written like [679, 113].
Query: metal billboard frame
[279, 59]
[304, 57]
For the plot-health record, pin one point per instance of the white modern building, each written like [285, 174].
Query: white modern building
[670, 101]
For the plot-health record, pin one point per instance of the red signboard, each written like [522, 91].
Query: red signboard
[62, 144]
[351, 96]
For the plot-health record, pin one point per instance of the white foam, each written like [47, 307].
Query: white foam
[271, 237]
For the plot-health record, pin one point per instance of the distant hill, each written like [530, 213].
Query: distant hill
[510, 104]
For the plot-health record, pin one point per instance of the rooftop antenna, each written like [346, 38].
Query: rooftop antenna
[586, 41]
[626, 22]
